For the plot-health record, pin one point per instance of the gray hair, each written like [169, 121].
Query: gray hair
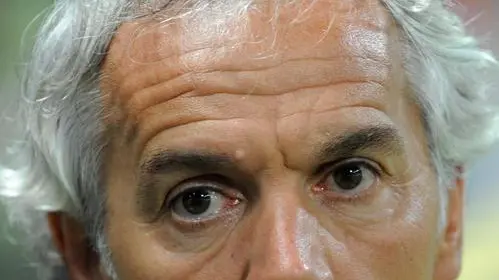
[58, 164]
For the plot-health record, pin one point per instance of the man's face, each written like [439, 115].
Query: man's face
[286, 149]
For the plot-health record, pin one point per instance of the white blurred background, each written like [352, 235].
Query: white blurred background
[481, 252]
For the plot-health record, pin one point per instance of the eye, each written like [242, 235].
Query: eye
[349, 178]
[202, 202]
[197, 202]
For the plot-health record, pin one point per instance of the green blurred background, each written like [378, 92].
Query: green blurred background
[481, 252]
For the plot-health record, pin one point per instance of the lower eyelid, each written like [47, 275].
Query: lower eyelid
[198, 225]
[322, 188]
[229, 203]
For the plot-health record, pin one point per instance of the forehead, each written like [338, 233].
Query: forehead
[165, 72]
[264, 35]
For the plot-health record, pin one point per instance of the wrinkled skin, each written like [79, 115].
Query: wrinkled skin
[261, 126]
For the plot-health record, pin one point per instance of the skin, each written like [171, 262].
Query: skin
[265, 107]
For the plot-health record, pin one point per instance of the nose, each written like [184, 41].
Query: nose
[287, 244]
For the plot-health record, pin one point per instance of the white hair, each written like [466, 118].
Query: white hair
[58, 164]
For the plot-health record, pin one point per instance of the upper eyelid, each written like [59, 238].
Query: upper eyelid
[371, 164]
[174, 192]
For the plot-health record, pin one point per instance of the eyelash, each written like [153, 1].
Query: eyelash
[372, 165]
[328, 169]
[206, 182]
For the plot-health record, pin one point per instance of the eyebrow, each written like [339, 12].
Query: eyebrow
[384, 139]
[172, 161]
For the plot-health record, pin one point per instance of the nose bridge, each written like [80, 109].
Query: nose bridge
[287, 243]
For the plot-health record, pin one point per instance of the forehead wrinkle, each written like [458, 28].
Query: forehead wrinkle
[238, 82]
[366, 94]
[166, 36]
[150, 75]
[193, 102]
[217, 106]
[179, 86]
[157, 94]
[349, 94]
[145, 75]
[245, 59]
[288, 77]
[168, 111]
[200, 84]
[180, 64]
[145, 135]
[185, 110]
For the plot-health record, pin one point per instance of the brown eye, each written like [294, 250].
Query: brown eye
[201, 210]
[201, 202]
[198, 202]
[349, 178]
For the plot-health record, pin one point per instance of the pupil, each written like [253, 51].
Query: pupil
[197, 202]
[348, 177]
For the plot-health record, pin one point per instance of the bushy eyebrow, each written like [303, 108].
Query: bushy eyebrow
[168, 161]
[384, 139]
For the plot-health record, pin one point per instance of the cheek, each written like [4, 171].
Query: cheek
[138, 254]
[405, 248]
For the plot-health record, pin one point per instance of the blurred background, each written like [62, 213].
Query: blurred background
[481, 242]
